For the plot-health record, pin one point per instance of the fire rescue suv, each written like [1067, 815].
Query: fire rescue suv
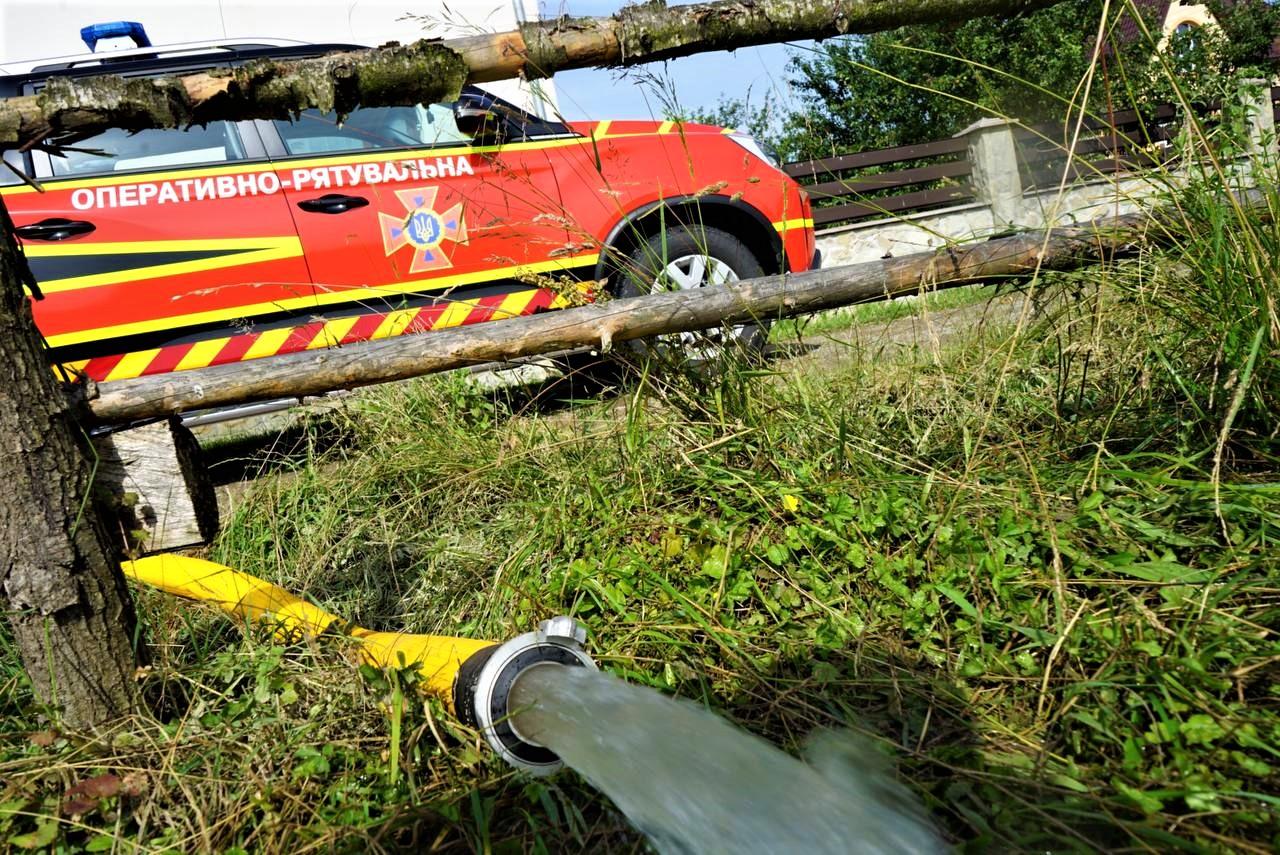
[168, 250]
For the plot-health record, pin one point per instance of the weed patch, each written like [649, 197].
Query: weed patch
[1009, 560]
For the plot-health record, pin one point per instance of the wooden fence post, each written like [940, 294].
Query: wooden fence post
[993, 154]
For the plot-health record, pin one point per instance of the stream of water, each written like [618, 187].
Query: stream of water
[694, 783]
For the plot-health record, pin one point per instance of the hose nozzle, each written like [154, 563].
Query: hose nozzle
[482, 692]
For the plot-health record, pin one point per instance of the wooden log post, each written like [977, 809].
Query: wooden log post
[155, 479]
[602, 324]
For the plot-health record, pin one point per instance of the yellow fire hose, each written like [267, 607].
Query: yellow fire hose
[473, 678]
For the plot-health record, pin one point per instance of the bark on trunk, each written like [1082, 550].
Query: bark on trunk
[60, 576]
[316, 372]
[433, 71]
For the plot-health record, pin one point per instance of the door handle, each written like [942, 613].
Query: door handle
[333, 203]
[55, 228]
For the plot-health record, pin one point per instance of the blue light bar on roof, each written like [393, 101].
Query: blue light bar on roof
[114, 30]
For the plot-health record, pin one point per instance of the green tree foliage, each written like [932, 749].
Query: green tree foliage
[1204, 65]
[923, 83]
[1249, 29]
[761, 120]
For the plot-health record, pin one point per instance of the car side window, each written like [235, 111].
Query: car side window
[118, 150]
[371, 128]
[8, 176]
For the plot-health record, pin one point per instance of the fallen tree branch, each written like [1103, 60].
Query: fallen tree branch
[432, 71]
[366, 363]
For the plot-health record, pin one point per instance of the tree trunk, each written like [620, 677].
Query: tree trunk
[431, 71]
[60, 575]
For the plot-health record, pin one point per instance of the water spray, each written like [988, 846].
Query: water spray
[472, 677]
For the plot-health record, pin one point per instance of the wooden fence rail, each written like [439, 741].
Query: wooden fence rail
[914, 178]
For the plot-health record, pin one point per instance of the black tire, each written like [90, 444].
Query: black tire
[720, 251]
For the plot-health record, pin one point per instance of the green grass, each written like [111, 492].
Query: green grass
[1038, 565]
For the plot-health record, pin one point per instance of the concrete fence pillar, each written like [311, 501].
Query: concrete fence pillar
[1256, 96]
[993, 154]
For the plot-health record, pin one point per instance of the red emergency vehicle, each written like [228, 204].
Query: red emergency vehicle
[168, 250]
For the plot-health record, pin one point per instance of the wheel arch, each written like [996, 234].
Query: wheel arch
[733, 216]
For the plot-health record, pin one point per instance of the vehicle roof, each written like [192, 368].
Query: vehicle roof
[138, 62]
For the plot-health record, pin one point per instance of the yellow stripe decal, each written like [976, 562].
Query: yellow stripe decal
[418, 286]
[133, 246]
[665, 127]
[513, 305]
[443, 283]
[240, 252]
[454, 314]
[788, 225]
[271, 342]
[202, 354]
[133, 364]
[601, 130]
[394, 323]
[268, 343]
[75, 366]
[333, 333]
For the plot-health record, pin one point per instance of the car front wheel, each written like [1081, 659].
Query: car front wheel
[684, 258]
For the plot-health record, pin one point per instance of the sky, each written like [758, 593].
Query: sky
[697, 81]
[47, 28]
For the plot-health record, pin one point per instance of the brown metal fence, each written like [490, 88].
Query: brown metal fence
[850, 188]
[878, 193]
[1126, 141]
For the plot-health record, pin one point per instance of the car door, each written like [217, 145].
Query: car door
[409, 225]
[160, 250]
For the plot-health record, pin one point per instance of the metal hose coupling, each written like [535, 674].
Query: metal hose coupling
[483, 687]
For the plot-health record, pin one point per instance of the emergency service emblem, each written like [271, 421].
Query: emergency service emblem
[423, 229]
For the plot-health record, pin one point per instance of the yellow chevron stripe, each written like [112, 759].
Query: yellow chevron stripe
[74, 367]
[274, 249]
[395, 323]
[133, 364]
[601, 130]
[514, 304]
[420, 286]
[560, 301]
[443, 283]
[268, 343]
[202, 354]
[129, 247]
[454, 314]
[665, 127]
[332, 333]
